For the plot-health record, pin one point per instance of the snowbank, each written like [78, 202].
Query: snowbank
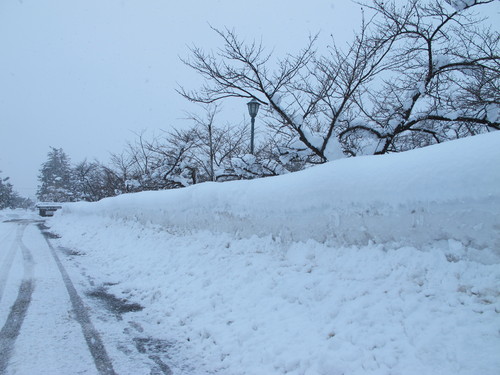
[396, 271]
[451, 190]
[258, 306]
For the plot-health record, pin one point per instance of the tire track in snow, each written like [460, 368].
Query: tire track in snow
[12, 327]
[92, 337]
[7, 263]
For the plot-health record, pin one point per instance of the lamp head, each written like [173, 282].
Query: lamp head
[253, 107]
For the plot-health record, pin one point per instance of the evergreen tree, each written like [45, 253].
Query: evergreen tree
[10, 198]
[6, 193]
[56, 178]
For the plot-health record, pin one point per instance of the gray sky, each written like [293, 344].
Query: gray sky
[85, 74]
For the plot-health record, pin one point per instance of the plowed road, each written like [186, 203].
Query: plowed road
[46, 324]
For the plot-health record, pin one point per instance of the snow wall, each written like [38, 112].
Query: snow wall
[446, 191]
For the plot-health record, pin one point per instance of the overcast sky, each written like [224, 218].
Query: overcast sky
[84, 75]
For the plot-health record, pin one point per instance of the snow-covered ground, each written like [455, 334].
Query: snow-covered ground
[371, 265]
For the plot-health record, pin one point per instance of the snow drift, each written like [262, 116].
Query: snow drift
[447, 191]
[373, 265]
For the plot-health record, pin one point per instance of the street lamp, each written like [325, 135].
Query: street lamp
[253, 108]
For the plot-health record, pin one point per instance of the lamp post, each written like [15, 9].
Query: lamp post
[253, 108]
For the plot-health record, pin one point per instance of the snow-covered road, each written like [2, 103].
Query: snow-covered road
[40, 332]
[47, 322]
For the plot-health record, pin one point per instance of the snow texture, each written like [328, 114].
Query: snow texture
[462, 4]
[493, 112]
[333, 150]
[369, 265]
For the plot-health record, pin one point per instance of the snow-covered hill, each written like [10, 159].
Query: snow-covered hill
[371, 265]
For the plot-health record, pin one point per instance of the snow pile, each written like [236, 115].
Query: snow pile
[257, 306]
[446, 191]
[441, 60]
[493, 112]
[224, 278]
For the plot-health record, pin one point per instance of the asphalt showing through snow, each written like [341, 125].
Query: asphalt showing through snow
[12, 327]
[94, 342]
[18, 275]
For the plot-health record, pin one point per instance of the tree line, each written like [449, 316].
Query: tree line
[9, 198]
[416, 74]
[178, 158]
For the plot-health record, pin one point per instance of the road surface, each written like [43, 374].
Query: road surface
[49, 324]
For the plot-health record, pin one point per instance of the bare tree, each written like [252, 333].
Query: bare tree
[242, 71]
[445, 84]
[413, 75]
[88, 181]
[119, 172]
[216, 145]
[306, 95]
